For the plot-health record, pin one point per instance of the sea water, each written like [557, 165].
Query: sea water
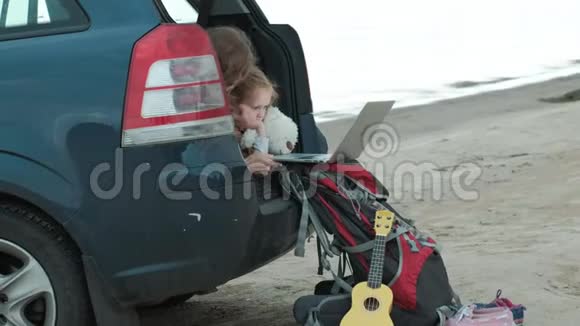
[418, 51]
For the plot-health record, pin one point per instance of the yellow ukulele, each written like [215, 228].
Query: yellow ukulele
[372, 301]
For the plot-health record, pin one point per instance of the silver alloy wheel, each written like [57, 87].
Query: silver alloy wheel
[26, 293]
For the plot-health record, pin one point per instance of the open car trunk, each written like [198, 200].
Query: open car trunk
[275, 226]
[281, 57]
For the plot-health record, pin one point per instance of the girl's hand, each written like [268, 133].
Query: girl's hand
[259, 168]
[261, 163]
[261, 129]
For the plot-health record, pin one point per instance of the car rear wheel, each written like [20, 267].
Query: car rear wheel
[26, 293]
[41, 278]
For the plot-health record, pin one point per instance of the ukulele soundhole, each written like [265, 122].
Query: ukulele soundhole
[371, 304]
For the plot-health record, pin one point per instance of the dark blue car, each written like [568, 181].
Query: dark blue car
[121, 183]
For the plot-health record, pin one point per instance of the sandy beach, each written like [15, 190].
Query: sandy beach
[515, 227]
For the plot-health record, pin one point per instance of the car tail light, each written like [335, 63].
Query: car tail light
[175, 90]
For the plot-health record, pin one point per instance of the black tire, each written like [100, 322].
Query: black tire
[50, 246]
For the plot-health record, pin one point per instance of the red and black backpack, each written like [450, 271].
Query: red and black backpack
[340, 200]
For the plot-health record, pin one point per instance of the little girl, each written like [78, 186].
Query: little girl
[252, 98]
[237, 59]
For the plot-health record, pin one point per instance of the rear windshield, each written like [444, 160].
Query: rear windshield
[27, 18]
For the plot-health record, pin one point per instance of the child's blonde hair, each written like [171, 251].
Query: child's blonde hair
[255, 79]
[235, 53]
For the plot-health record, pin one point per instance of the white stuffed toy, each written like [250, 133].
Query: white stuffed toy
[281, 132]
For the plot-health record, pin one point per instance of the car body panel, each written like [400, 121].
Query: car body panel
[158, 220]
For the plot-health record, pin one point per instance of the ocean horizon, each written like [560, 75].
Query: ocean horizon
[417, 52]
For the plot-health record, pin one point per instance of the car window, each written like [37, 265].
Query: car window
[26, 18]
[180, 11]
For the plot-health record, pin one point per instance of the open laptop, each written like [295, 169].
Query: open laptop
[352, 144]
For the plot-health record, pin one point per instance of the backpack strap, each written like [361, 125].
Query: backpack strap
[445, 313]
[412, 244]
[342, 263]
[456, 299]
[338, 280]
[319, 251]
[423, 240]
[291, 183]
[313, 315]
[369, 245]
[363, 247]
[448, 311]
